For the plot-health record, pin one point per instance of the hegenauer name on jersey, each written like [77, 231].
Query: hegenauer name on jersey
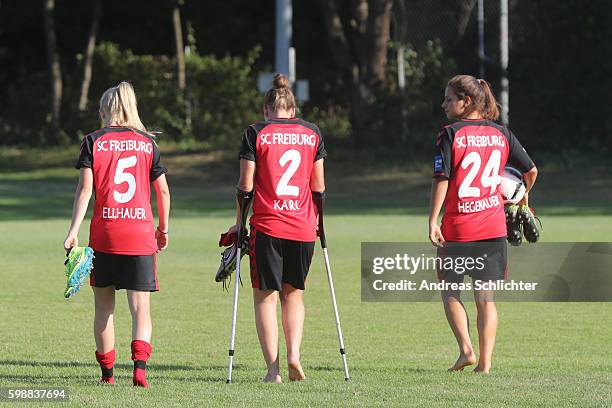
[471, 154]
[475, 154]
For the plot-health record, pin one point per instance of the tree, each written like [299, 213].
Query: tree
[180, 59]
[88, 56]
[55, 71]
[358, 33]
[178, 41]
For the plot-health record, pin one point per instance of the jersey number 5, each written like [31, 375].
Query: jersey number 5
[490, 175]
[122, 177]
[283, 187]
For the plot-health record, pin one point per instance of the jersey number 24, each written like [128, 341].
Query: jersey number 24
[489, 178]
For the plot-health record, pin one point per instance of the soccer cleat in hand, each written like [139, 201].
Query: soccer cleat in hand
[229, 255]
[528, 223]
[513, 225]
[79, 264]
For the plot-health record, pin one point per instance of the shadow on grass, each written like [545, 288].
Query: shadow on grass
[68, 364]
[358, 369]
[77, 379]
[93, 364]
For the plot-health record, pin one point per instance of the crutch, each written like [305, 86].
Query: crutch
[318, 199]
[244, 200]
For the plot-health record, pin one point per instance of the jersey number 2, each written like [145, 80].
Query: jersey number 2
[122, 177]
[283, 187]
[490, 175]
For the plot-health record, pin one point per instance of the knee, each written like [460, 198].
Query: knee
[290, 295]
[450, 296]
[265, 297]
[484, 304]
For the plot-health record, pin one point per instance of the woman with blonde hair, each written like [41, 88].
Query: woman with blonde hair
[118, 163]
[281, 159]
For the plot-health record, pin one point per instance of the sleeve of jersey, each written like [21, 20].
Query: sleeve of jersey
[442, 157]
[249, 141]
[321, 152]
[157, 168]
[85, 155]
[517, 155]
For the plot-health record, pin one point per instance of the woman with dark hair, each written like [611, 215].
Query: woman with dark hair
[470, 155]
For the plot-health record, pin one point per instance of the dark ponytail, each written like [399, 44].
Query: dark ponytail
[490, 110]
[479, 92]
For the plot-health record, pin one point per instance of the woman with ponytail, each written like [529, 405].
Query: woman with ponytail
[470, 155]
[281, 159]
[118, 163]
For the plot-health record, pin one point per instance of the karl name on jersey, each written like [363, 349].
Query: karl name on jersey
[286, 205]
[294, 158]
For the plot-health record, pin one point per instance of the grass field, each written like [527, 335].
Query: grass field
[547, 354]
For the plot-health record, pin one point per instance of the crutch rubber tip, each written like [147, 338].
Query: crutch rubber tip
[228, 381]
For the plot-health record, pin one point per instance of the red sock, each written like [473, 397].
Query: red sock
[141, 350]
[106, 361]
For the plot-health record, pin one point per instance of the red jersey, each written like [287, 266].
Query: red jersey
[124, 162]
[284, 151]
[472, 154]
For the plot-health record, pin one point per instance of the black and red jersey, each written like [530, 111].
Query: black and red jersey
[284, 151]
[472, 154]
[124, 162]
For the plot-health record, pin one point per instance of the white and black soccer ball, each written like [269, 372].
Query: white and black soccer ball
[512, 185]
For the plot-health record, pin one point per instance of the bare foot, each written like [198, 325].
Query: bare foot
[463, 361]
[482, 370]
[295, 372]
[272, 379]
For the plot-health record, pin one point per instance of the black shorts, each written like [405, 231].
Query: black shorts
[275, 261]
[134, 272]
[490, 260]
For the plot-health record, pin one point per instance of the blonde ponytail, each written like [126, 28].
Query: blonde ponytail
[119, 108]
[280, 96]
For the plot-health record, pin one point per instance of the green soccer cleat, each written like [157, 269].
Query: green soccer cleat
[79, 264]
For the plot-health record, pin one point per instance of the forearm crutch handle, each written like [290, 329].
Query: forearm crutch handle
[319, 198]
